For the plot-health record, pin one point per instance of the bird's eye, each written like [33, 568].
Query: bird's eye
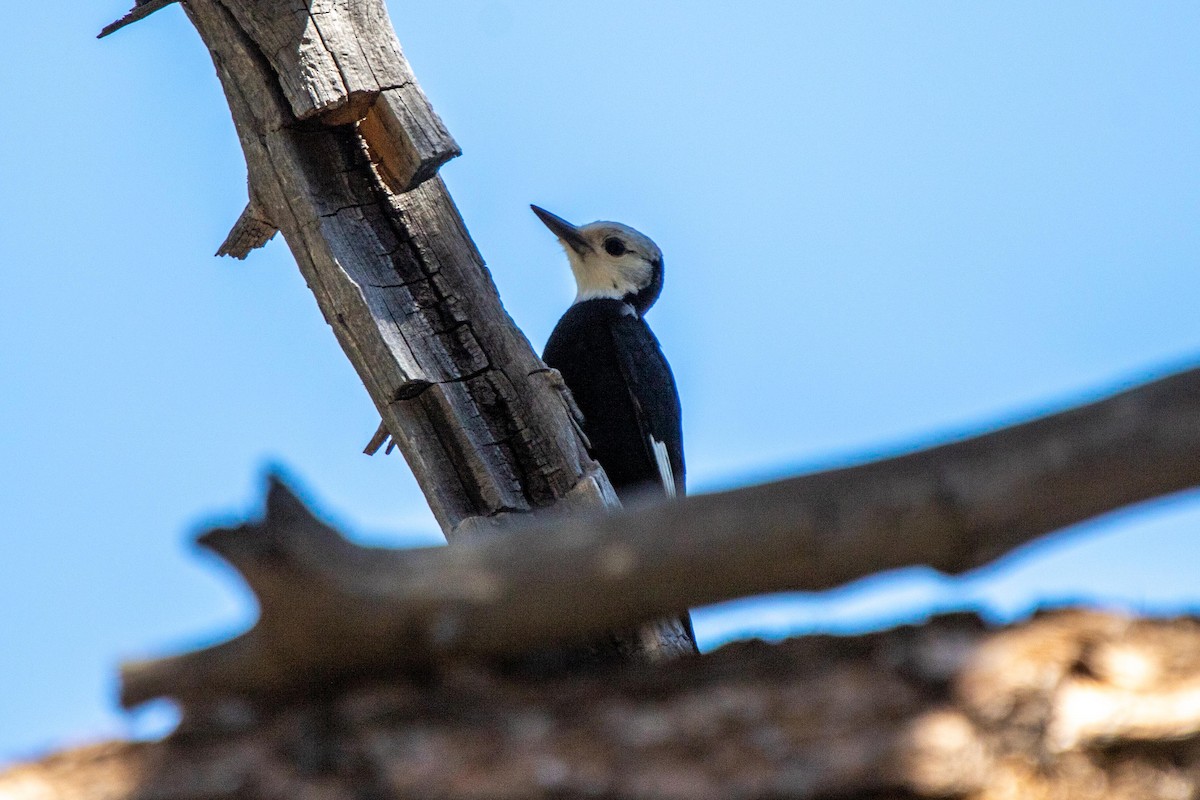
[614, 247]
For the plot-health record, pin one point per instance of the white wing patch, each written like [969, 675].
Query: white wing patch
[663, 459]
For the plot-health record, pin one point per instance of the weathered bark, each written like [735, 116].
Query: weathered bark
[332, 610]
[950, 709]
[395, 275]
[342, 148]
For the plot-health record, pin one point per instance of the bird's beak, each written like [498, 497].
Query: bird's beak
[565, 231]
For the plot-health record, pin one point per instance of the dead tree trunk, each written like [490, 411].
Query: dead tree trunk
[325, 107]
[342, 148]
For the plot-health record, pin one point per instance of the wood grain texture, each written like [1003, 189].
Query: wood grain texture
[404, 138]
[339, 60]
[951, 709]
[402, 285]
[953, 508]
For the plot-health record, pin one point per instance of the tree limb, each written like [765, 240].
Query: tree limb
[332, 610]
[141, 10]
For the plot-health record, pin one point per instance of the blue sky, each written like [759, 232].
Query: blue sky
[885, 225]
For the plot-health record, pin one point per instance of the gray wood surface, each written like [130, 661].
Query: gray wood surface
[332, 610]
[395, 275]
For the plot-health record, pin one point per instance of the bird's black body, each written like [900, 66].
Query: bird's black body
[612, 363]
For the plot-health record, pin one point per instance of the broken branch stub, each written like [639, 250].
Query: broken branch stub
[339, 61]
[333, 611]
[251, 232]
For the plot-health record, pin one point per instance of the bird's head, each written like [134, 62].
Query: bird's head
[609, 260]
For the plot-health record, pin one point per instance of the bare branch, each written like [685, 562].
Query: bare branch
[140, 11]
[332, 610]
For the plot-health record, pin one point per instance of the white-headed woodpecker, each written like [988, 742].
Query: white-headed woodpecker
[611, 361]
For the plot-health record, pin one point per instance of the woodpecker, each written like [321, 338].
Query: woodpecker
[610, 359]
[613, 364]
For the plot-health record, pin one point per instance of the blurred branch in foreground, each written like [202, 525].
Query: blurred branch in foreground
[332, 610]
[949, 709]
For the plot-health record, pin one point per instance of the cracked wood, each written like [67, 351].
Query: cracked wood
[396, 275]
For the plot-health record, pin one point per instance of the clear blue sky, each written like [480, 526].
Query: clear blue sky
[885, 224]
